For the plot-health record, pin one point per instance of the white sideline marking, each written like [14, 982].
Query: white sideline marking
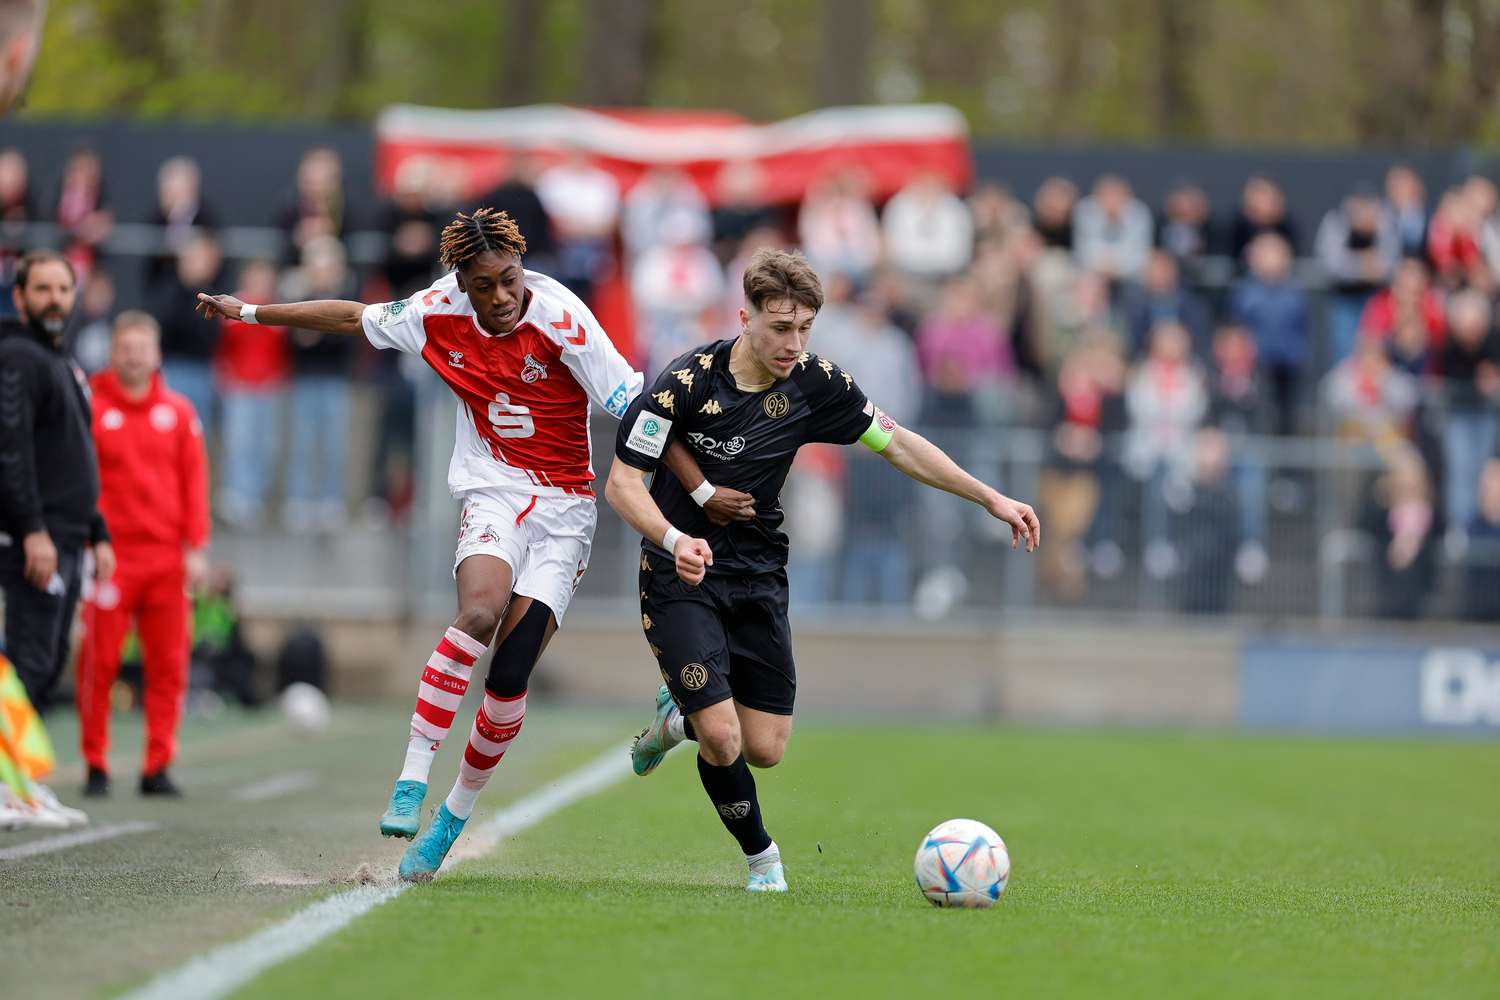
[223, 970]
[277, 785]
[64, 841]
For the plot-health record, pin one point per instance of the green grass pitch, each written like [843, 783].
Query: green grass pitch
[1144, 864]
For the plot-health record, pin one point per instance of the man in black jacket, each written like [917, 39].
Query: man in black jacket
[49, 476]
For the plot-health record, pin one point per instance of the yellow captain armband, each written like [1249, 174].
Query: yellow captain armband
[882, 428]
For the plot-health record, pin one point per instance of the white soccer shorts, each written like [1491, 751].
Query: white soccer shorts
[545, 540]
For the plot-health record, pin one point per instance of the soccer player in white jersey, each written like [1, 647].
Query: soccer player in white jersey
[524, 356]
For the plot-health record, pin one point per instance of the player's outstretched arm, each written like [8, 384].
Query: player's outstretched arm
[722, 505]
[327, 315]
[627, 493]
[925, 462]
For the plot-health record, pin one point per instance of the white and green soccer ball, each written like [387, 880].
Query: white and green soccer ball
[962, 863]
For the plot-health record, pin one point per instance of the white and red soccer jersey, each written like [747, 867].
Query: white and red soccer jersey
[523, 398]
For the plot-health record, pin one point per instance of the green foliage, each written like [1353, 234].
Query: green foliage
[1268, 71]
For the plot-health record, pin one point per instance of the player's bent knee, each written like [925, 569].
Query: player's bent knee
[765, 754]
[479, 621]
[718, 740]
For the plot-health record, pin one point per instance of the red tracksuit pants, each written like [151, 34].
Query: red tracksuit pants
[148, 592]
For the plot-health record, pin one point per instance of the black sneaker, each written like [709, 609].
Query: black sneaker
[97, 785]
[159, 783]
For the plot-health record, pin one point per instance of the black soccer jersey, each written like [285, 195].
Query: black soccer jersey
[743, 440]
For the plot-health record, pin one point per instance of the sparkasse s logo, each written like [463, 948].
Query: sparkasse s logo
[1460, 688]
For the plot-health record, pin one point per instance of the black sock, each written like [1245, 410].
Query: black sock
[687, 729]
[732, 791]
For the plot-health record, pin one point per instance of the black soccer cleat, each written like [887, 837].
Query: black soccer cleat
[159, 783]
[97, 785]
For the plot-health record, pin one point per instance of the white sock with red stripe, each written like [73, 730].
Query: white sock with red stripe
[444, 682]
[495, 725]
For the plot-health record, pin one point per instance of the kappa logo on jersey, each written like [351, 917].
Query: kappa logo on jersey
[712, 408]
[705, 361]
[645, 622]
[533, 370]
[456, 359]
[694, 676]
[777, 405]
[685, 376]
[724, 450]
[827, 367]
[666, 400]
[848, 380]
[618, 400]
[649, 435]
[734, 810]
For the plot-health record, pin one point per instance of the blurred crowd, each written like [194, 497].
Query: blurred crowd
[1167, 352]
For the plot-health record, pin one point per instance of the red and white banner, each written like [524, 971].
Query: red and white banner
[888, 145]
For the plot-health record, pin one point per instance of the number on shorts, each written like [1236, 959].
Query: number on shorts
[510, 420]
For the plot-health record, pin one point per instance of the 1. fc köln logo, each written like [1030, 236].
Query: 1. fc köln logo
[533, 370]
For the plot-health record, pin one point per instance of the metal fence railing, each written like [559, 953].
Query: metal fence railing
[1287, 527]
[1290, 526]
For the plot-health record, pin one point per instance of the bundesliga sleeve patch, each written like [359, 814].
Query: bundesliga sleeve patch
[390, 312]
[649, 434]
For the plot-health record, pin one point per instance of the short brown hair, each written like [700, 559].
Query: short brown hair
[777, 274]
[135, 319]
[35, 257]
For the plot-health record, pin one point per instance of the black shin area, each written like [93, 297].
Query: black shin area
[732, 791]
[687, 729]
[510, 669]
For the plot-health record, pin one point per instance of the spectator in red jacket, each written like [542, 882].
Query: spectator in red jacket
[252, 367]
[1453, 242]
[154, 489]
[1408, 317]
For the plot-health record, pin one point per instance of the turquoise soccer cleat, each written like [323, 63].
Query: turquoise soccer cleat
[403, 817]
[770, 878]
[650, 748]
[425, 855]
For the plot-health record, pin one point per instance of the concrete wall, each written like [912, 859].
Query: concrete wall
[1074, 673]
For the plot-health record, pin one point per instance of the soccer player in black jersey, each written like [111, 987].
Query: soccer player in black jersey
[714, 597]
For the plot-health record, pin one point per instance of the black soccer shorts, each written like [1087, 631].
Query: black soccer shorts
[726, 638]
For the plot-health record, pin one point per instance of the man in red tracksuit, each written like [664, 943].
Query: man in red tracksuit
[154, 494]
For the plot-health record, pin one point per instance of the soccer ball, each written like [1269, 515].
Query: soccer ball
[962, 863]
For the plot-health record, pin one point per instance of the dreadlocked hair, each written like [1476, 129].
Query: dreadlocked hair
[468, 236]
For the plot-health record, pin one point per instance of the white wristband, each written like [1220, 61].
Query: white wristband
[669, 540]
[703, 494]
[247, 314]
